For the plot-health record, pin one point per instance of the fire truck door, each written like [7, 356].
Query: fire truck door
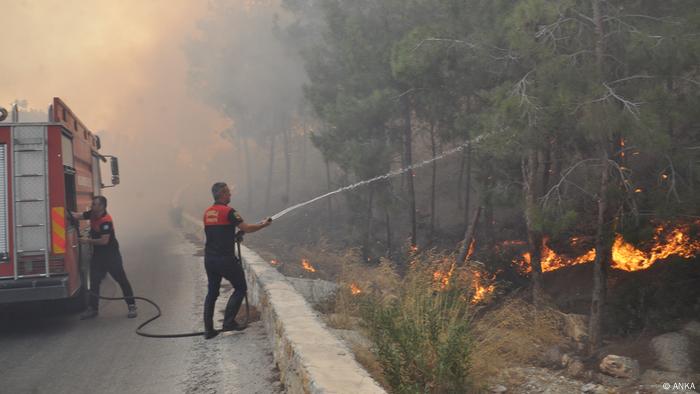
[73, 227]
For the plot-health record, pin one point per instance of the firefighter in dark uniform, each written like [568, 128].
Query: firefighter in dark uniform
[106, 257]
[220, 261]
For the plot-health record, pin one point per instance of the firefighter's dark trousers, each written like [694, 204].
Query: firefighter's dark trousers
[228, 267]
[111, 263]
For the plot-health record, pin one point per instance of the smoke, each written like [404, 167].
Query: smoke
[121, 67]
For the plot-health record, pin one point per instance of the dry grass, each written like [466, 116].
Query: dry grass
[380, 281]
[514, 333]
[327, 260]
[369, 361]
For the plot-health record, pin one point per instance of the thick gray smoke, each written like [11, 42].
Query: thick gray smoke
[129, 71]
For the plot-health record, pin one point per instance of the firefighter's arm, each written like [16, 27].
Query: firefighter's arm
[251, 228]
[103, 240]
[77, 215]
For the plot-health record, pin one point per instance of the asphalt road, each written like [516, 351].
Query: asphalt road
[44, 349]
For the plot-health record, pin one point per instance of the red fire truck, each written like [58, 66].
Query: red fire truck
[46, 169]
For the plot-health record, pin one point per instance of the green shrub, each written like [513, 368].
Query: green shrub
[421, 336]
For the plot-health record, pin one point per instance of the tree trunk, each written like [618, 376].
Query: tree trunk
[329, 186]
[603, 242]
[388, 232]
[469, 237]
[691, 176]
[268, 190]
[408, 148]
[488, 208]
[603, 250]
[459, 180]
[368, 233]
[404, 179]
[249, 178]
[287, 168]
[304, 142]
[554, 171]
[467, 185]
[433, 181]
[534, 181]
[535, 243]
[600, 35]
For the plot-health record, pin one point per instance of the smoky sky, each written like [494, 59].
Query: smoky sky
[123, 68]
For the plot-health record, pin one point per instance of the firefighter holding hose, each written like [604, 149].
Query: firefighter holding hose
[220, 261]
[106, 257]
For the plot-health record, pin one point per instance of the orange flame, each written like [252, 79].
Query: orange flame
[622, 147]
[625, 256]
[551, 261]
[480, 290]
[307, 266]
[441, 278]
[676, 242]
[414, 248]
[354, 289]
[274, 262]
[472, 246]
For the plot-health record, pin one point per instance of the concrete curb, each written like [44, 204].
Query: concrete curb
[310, 358]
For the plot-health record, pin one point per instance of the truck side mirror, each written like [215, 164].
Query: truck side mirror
[114, 164]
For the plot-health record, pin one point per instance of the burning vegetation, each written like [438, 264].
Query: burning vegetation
[354, 289]
[478, 283]
[668, 240]
[307, 266]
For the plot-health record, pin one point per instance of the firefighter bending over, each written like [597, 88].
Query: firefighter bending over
[220, 222]
[106, 257]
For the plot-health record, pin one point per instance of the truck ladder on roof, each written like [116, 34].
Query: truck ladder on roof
[30, 200]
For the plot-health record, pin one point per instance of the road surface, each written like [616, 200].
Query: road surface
[46, 350]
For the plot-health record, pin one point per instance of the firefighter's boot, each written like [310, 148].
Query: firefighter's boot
[209, 331]
[132, 311]
[232, 307]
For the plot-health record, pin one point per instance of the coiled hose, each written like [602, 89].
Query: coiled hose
[139, 329]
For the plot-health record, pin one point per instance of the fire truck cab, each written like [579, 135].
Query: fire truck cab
[46, 170]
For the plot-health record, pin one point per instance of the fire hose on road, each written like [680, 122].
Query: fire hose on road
[139, 329]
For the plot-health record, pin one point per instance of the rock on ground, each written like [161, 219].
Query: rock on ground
[575, 327]
[620, 367]
[672, 352]
[526, 380]
[692, 328]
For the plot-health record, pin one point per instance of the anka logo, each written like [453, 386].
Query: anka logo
[676, 386]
